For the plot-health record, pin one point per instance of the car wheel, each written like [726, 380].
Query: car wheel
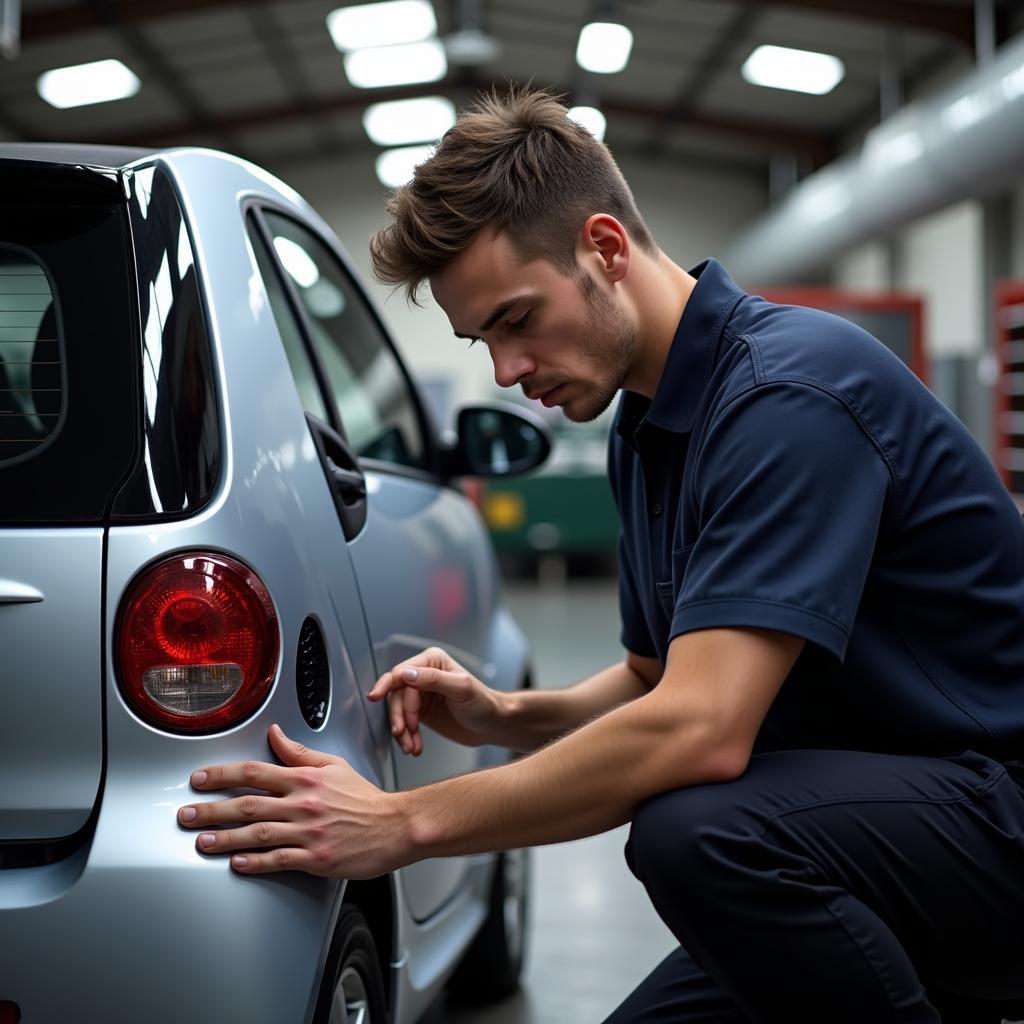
[355, 993]
[493, 963]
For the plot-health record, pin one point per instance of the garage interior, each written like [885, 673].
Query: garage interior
[895, 196]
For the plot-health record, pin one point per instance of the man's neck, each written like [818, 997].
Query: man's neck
[661, 294]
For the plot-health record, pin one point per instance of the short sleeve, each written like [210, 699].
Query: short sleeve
[790, 491]
[635, 636]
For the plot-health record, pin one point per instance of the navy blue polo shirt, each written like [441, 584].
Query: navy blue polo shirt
[792, 474]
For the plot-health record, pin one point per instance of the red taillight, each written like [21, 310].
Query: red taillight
[197, 642]
[9, 1013]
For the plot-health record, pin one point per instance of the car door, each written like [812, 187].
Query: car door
[421, 558]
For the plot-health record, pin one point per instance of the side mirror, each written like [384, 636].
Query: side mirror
[497, 440]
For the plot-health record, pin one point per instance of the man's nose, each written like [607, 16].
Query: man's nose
[511, 368]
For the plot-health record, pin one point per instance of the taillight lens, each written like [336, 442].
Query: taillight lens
[197, 642]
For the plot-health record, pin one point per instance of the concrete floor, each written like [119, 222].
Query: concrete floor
[593, 934]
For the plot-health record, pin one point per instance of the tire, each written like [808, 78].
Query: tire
[492, 965]
[353, 990]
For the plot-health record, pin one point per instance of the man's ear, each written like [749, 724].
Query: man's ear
[605, 241]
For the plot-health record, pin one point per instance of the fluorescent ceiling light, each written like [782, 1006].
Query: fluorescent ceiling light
[395, 166]
[396, 65]
[604, 47]
[97, 82]
[403, 121]
[590, 118]
[384, 24]
[779, 67]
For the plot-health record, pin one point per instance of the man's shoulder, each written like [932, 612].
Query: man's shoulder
[800, 345]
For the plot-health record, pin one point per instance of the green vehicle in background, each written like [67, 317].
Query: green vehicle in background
[563, 516]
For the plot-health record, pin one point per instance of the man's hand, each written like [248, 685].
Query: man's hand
[317, 814]
[434, 689]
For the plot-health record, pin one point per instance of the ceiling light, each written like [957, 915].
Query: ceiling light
[396, 65]
[779, 67]
[590, 118]
[383, 24]
[403, 121]
[97, 82]
[604, 47]
[395, 166]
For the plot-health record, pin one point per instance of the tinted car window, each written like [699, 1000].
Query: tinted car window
[288, 327]
[181, 444]
[30, 378]
[71, 400]
[378, 411]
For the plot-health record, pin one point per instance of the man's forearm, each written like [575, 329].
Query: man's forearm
[583, 784]
[531, 718]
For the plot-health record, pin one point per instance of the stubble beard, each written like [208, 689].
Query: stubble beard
[609, 344]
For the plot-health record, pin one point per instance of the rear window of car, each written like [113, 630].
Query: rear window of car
[108, 403]
[30, 356]
[68, 393]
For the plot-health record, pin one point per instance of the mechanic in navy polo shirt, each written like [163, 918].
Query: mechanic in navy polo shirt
[817, 725]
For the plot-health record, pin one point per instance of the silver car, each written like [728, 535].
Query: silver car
[222, 504]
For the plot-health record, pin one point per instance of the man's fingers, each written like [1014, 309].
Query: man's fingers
[223, 812]
[412, 704]
[251, 837]
[399, 727]
[295, 754]
[383, 686]
[284, 858]
[245, 775]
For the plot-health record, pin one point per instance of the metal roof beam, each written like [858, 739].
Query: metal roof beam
[759, 135]
[957, 22]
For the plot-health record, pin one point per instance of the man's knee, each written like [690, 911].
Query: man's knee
[675, 834]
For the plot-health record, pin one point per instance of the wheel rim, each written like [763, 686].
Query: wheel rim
[351, 1003]
[514, 866]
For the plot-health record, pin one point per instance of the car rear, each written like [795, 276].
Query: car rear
[140, 629]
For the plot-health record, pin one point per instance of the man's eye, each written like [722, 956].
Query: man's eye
[518, 325]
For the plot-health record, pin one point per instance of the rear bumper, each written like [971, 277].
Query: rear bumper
[136, 925]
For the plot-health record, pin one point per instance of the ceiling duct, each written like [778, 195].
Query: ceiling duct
[964, 143]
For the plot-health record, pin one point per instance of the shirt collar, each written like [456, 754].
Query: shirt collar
[691, 357]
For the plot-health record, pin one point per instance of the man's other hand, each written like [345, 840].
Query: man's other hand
[435, 690]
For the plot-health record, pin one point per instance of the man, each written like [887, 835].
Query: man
[815, 727]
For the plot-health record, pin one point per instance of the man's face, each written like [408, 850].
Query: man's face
[562, 339]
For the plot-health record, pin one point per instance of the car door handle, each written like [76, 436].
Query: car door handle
[349, 483]
[12, 592]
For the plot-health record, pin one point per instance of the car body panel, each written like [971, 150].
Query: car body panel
[143, 926]
[51, 738]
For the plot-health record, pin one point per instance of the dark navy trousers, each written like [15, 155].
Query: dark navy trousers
[837, 886]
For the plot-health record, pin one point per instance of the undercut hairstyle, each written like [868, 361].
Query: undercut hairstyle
[513, 162]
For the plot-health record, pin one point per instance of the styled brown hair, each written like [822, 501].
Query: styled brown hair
[512, 162]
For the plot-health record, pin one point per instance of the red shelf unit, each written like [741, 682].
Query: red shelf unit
[1009, 395]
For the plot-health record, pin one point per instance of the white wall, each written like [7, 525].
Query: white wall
[942, 258]
[692, 213]
[939, 257]
[865, 268]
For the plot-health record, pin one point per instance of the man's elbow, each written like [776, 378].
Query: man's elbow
[695, 755]
[724, 761]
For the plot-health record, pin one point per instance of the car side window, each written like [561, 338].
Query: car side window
[288, 327]
[377, 408]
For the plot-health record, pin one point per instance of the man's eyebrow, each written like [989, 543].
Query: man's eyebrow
[496, 314]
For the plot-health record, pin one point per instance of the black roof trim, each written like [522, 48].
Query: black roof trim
[73, 154]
